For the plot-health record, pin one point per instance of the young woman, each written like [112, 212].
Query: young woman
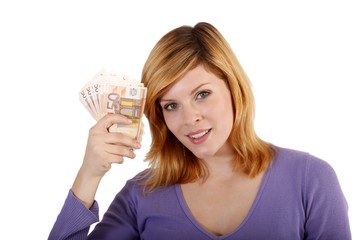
[210, 175]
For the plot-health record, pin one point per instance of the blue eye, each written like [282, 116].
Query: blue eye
[202, 94]
[170, 106]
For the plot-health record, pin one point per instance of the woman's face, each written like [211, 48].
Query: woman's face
[198, 111]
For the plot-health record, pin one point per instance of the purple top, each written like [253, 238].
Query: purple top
[299, 198]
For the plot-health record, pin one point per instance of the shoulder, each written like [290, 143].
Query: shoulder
[305, 182]
[312, 172]
[136, 187]
[135, 183]
[300, 169]
[292, 159]
[139, 178]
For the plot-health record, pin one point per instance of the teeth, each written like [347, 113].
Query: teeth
[199, 134]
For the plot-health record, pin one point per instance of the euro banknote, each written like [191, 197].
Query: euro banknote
[109, 92]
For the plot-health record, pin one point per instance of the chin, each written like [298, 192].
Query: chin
[204, 155]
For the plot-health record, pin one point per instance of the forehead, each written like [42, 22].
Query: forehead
[191, 80]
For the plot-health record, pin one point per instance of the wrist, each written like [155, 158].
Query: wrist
[85, 187]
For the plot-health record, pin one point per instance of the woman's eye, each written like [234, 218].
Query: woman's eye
[170, 106]
[202, 94]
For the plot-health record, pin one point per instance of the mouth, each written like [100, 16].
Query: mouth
[199, 135]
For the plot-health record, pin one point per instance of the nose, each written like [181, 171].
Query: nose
[191, 115]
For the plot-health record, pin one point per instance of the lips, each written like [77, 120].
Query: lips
[199, 136]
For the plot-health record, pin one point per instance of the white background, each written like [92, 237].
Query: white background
[301, 56]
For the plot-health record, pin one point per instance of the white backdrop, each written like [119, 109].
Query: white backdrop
[301, 56]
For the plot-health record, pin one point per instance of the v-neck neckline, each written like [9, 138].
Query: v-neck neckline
[191, 217]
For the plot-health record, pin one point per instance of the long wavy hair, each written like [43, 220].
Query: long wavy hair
[177, 52]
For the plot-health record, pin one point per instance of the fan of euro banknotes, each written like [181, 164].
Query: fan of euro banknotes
[109, 92]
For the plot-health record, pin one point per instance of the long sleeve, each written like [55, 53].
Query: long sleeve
[74, 220]
[121, 217]
[326, 208]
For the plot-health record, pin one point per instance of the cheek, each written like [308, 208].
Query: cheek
[224, 109]
[171, 123]
[225, 115]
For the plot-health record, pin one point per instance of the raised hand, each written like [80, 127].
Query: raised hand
[103, 149]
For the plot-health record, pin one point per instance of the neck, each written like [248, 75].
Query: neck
[221, 166]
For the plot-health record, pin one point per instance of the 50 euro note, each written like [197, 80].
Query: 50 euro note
[108, 92]
[128, 101]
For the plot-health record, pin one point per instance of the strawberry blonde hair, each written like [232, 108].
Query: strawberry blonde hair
[177, 52]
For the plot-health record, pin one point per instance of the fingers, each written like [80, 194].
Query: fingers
[121, 139]
[110, 119]
[116, 153]
[100, 132]
[104, 147]
[115, 137]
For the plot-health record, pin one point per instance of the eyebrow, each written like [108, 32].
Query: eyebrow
[192, 92]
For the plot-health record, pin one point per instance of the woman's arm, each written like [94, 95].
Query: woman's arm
[325, 204]
[103, 148]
